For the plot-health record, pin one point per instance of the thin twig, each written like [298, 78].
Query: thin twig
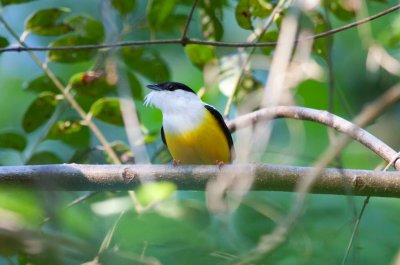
[189, 19]
[201, 42]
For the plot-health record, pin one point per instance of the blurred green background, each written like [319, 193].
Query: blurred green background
[178, 228]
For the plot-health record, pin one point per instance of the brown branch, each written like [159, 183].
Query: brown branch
[201, 42]
[323, 117]
[267, 177]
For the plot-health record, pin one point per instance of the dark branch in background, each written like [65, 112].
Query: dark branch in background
[267, 177]
[187, 41]
[188, 20]
[323, 117]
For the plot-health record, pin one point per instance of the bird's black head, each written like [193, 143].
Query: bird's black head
[170, 86]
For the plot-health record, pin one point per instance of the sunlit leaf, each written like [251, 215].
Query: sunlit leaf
[136, 86]
[87, 28]
[158, 12]
[199, 55]
[46, 22]
[39, 111]
[107, 110]
[42, 83]
[71, 132]
[71, 56]
[270, 36]
[93, 84]
[3, 42]
[13, 2]
[147, 63]
[12, 141]
[44, 158]
[154, 192]
[124, 7]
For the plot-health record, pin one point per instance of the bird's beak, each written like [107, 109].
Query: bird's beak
[154, 87]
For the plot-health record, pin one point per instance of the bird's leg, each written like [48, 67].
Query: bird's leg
[176, 162]
[219, 163]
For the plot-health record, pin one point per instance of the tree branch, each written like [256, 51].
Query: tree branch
[187, 41]
[323, 117]
[267, 177]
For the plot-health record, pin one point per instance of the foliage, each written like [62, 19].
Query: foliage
[158, 223]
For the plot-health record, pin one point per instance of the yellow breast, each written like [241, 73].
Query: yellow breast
[205, 144]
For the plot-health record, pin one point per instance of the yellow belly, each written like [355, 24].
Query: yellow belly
[204, 145]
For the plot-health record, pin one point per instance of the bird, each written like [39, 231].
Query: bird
[194, 132]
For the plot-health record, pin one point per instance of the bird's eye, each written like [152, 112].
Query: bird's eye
[170, 87]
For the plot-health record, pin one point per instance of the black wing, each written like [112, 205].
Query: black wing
[163, 137]
[224, 128]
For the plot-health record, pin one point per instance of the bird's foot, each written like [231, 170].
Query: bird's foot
[176, 162]
[220, 164]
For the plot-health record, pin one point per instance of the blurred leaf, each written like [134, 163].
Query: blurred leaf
[211, 26]
[124, 7]
[199, 55]
[87, 27]
[107, 110]
[71, 56]
[270, 36]
[91, 83]
[147, 63]
[321, 45]
[336, 7]
[13, 2]
[44, 158]
[45, 22]
[42, 83]
[394, 40]
[71, 132]
[149, 193]
[158, 12]
[12, 141]
[123, 151]
[39, 111]
[136, 86]
[3, 42]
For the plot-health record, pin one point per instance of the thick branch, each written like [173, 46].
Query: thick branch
[201, 42]
[268, 177]
[323, 117]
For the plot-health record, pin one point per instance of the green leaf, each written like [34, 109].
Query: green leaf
[124, 7]
[158, 12]
[270, 36]
[243, 14]
[147, 63]
[45, 22]
[87, 27]
[13, 2]
[71, 132]
[154, 192]
[136, 86]
[3, 42]
[93, 84]
[73, 56]
[336, 7]
[42, 83]
[39, 111]
[107, 110]
[43, 158]
[12, 141]
[199, 55]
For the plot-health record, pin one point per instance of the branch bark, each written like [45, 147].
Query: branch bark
[323, 117]
[268, 178]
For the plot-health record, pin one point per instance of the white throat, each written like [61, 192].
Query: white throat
[182, 111]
